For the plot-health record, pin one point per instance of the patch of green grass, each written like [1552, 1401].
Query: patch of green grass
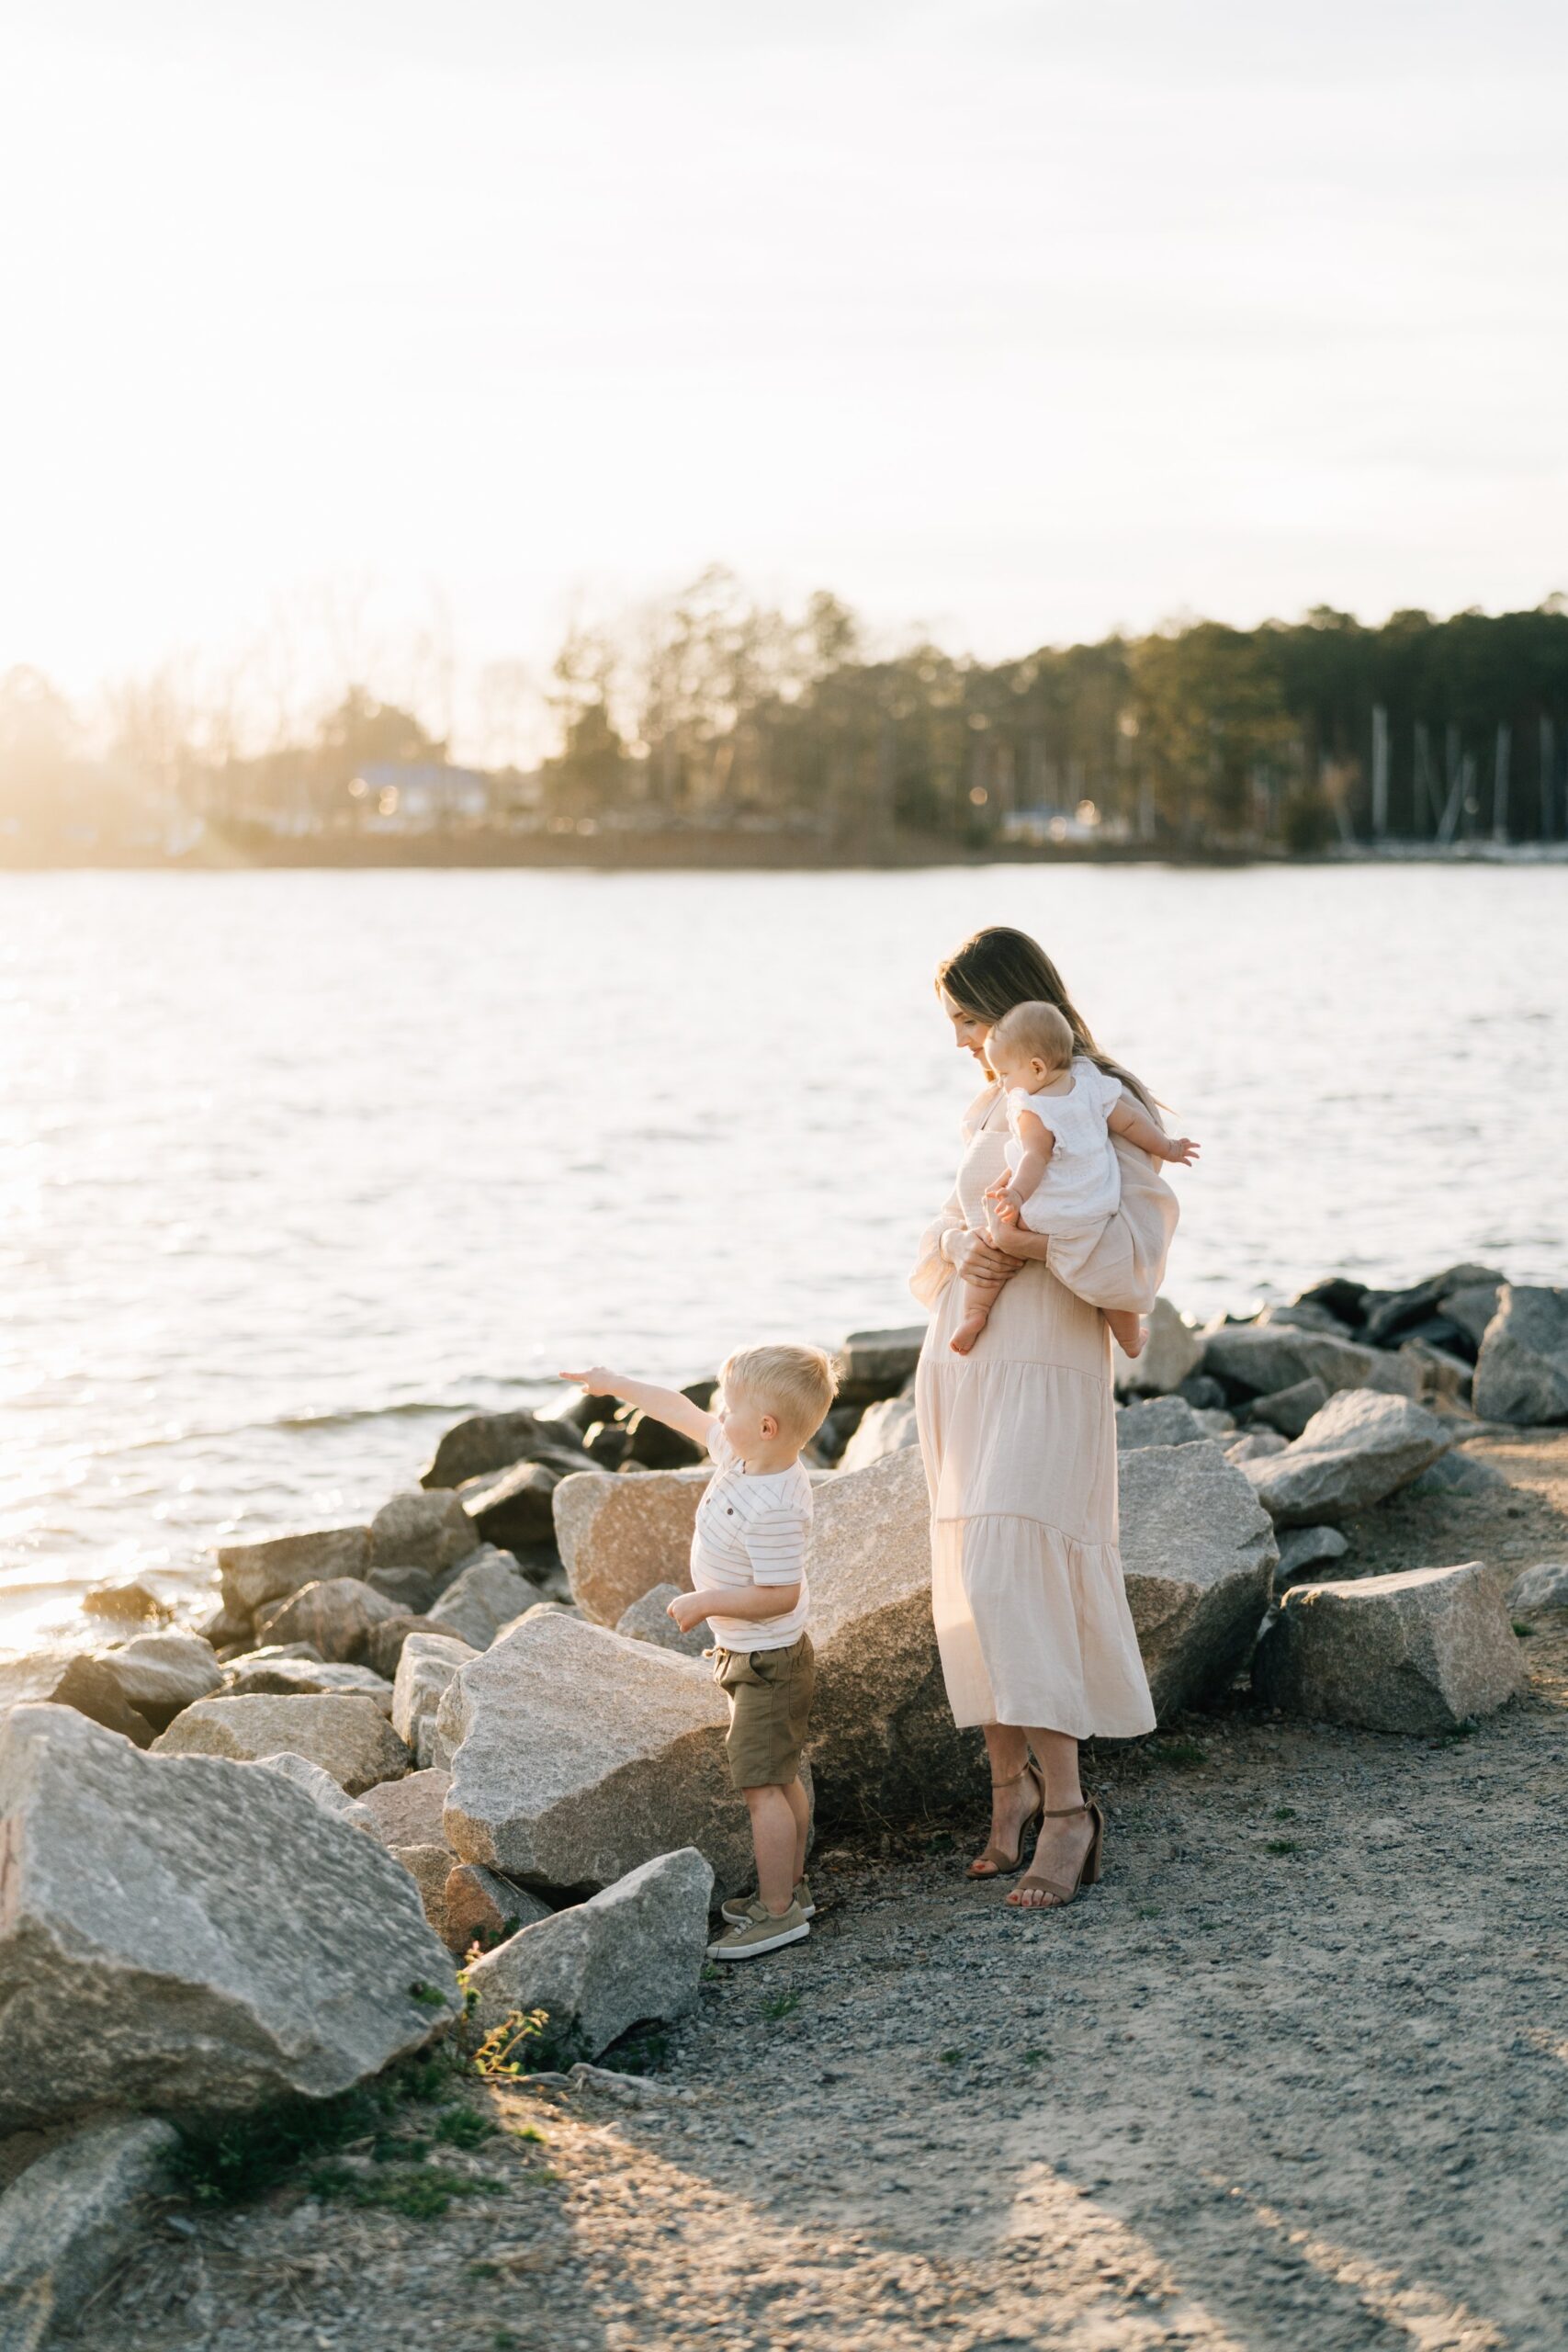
[429, 1996]
[421, 2196]
[1185, 1753]
[780, 2004]
[1525, 1633]
[1148, 1910]
[1284, 1813]
[950, 2057]
[526, 2132]
[1282, 1846]
[1035, 2057]
[464, 2127]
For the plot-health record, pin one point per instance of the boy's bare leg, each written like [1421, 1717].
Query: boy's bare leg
[1127, 1329]
[978, 1300]
[775, 1840]
[795, 1798]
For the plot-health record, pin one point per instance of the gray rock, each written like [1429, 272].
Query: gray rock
[1165, 1421]
[1254, 1445]
[620, 1536]
[514, 1507]
[482, 1906]
[490, 1591]
[1439, 1377]
[336, 1616]
[652, 1444]
[649, 1619]
[576, 1756]
[430, 1531]
[1289, 1410]
[1361, 1448]
[1542, 1586]
[254, 1573]
[874, 1364]
[427, 1665]
[1302, 1315]
[69, 1679]
[883, 1429]
[72, 2218]
[385, 1647]
[429, 1867]
[633, 1955]
[1401, 1310]
[1203, 1393]
[1260, 1359]
[1304, 1548]
[1459, 1473]
[1198, 1554]
[1423, 1651]
[1521, 1373]
[129, 1603]
[283, 1677]
[486, 1442]
[320, 1787]
[411, 1590]
[408, 1812]
[160, 1673]
[348, 1735]
[1172, 1350]
[1472, 1307]
[185, 1936]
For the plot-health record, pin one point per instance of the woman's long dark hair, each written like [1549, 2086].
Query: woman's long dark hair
[998, 969]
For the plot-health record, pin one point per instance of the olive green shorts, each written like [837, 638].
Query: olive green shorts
[770, 1711]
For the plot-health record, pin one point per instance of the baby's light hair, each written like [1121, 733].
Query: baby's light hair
[1038, 1029]
[795, 1384]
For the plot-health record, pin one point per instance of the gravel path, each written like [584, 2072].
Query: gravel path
[1294, 2079]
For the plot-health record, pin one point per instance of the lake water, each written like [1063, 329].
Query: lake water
[295, 1167]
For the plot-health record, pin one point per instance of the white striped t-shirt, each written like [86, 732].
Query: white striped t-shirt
[751, 1529]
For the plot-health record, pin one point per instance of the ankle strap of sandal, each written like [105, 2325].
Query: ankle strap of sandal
[1060, 1813]
[1013, 1780]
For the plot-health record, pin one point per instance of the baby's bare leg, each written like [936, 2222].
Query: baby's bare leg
[1127, 1329]
[978, 1300]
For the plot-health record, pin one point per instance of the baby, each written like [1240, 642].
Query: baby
[1063, 1176]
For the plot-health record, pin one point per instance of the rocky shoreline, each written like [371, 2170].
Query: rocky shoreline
[240, 1862]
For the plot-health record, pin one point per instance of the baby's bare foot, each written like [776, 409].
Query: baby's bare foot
[967, 1333]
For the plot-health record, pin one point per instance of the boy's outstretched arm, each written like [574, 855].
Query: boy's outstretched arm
[666, 1404]
[1125, 1121]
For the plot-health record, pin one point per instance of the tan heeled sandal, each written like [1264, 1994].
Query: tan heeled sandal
[1005, 1865]
[1088, 1870]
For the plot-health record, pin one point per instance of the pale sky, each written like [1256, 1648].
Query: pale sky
[1015, 318]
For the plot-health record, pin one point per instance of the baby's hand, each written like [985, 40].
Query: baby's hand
[1005, 1209]
[687, 1611]
[1182, 1149]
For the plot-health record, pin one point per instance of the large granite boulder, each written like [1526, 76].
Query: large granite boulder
[576, 1756]
[430, 1531]
[320, 1787]
[72, 2218]
[1164, 1420]
[1172, 1350]
[410, 1590]
[427, 1665]
[1361, 1448]
[883, 1429]
[486, 1442]
[1261, 1359]
[283, 1677]
[515, 1506]
[73, 1679]
[1543, 1586]
[480, 1906]
[488, 1593]
[1397, 1312]
[336, 1616]
[1470, 1309]
[1198, 1554]
[1289, 1410]
[632, 1955]
[874, 1364]
[184, 1936]
[347, 1735]
[649, 1619]
[1423, 1651]
[160, 1673]
[619, 1536]
[1521, 1373]
[252, 1574]
[408, 1812]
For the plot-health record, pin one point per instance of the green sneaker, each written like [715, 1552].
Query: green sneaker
[761, 1932]
[738, 1910]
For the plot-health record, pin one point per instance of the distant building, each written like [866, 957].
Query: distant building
[419, 797]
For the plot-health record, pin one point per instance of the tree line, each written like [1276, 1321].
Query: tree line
[709, 708]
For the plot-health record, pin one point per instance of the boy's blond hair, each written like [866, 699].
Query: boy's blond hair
[1039, 1030]
[795, 1384]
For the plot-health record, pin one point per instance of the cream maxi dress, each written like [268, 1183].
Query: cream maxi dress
[1020, 1445]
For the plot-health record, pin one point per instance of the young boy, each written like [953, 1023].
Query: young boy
[749, 1579]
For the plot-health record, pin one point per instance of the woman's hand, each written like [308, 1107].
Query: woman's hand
[976, 1258]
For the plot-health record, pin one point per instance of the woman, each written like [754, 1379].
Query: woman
[1020, 1446]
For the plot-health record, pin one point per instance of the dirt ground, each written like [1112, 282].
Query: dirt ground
[1293, 2078]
